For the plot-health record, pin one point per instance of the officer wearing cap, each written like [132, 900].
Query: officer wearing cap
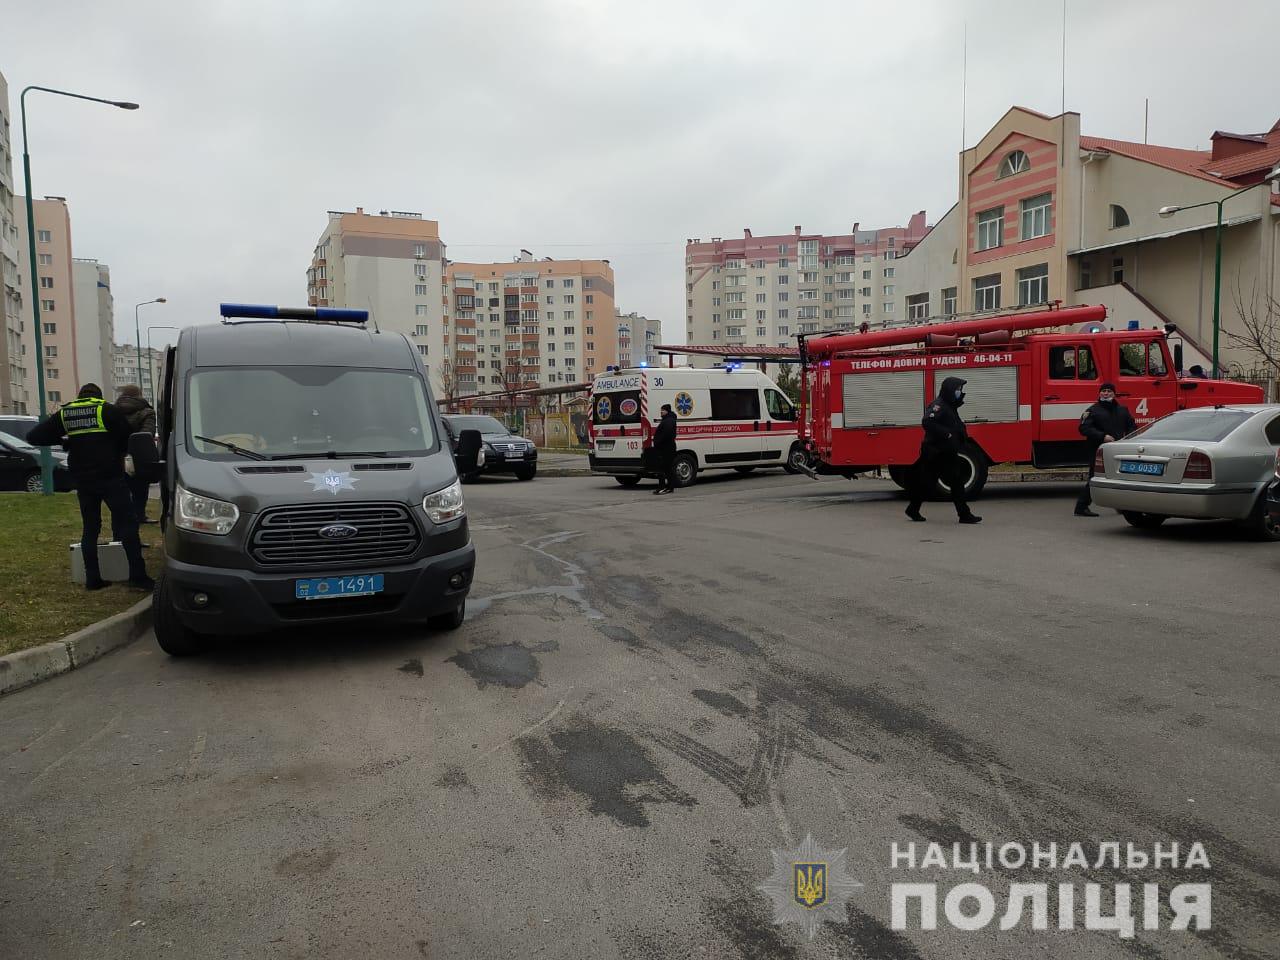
[96, 436]
[1106, 420]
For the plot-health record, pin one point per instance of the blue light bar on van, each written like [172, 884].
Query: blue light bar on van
[258, 311]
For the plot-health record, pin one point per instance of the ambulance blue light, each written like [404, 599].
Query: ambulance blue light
[259, 311]
[644, 363]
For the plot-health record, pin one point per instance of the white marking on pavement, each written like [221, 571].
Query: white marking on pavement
[527, 730]
[52, 730]
[572, 592]
[62, 759]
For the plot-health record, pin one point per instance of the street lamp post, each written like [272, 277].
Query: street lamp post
[1167, 212]
[46, 461]
[151, 360]
[137, 330]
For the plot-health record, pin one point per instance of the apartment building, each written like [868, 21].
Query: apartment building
[16, 377]
[391, 264]
[56, 294]
[1047, 214]
[762, 291]
[125, 369]
[637, 339]
[529, 323]
[94, 321]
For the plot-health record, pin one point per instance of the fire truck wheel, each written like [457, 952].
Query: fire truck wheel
[797, 459]
[1143, 521]
[684, 469]
[900, 475]
[627, 479]
[975, 473]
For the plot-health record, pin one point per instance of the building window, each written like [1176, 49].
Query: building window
[51, 373]
[888, 308]
[1015, 162]
[51, 351]
[422, 349]
[1117, 270]
[419, 269]
[44, 236]
[419, 249]
[420, 330]
[762, 298]
[783, 297]
[783, 313]
[918, 306]
[986, 292]
[1119, 216]
[1086, 275]
[1036, 216]
[420, 289]
[55, 396]
[47, 306]
[888, 289]
[46, 259]
[568, 282]
[949, 302]
[762, 314]
[866, 274]
[889, 271]
[783, 279]
[990, 228]
[1033, 285]
[46, 283]
[49, 328]
[866, 309]
[419, 309]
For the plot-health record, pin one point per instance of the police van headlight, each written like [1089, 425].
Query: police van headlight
[204, 514]
[445, 505]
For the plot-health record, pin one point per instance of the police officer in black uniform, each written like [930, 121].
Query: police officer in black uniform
[1106, 420]
[96, 435]
[944, 438]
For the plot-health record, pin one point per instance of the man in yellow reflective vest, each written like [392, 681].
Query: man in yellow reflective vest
[96, 436]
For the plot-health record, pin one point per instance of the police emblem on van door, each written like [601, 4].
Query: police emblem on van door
[332, 481]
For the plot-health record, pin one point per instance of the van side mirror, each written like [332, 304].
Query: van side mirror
[467, 455]
[146, 456]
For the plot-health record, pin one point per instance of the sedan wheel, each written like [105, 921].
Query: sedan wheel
[34, 482]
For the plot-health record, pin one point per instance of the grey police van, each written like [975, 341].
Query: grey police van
[305, 479]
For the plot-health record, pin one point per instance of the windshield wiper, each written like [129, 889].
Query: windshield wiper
[234, 449]
[330, 455]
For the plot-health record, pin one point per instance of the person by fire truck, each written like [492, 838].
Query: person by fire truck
[1104, 421]
[944, 438]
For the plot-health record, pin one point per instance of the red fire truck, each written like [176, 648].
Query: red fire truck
[863, 394]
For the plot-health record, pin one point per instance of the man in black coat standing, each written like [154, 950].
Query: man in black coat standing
[944, 438]
[1106, 420]
[96, 435]
[142, 419]
[664, 450]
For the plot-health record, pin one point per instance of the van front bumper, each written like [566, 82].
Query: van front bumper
[246, 601]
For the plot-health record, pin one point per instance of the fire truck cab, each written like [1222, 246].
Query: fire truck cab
[864, 394]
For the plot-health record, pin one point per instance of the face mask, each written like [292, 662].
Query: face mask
[959, 394]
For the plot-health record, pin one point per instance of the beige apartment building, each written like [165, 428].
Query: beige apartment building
[638, 338]
[56, 294]
[125, 369]
[529, 323]
[94, 321]
[16, 375]
[762, 291]
[1047, 214]
[391, 264]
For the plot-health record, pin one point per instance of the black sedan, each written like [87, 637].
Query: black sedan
[504, 452]
[20, 466]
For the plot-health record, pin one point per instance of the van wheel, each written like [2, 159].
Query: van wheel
[974, 470]
[744, 469]
[797, 458]
[627, 480]
[901, 476]
[1143, 521]
[172, 634]
[449, 621]
[684, 469]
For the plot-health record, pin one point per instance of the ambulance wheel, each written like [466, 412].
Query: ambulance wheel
[627, 480]
[172, 634]
[973, 470]
[684, 469]
[1143, 521]
[797, 459]
[900, 475]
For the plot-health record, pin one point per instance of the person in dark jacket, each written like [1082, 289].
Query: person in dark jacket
[1106, 420]
[142, 418]
[664, 450]
[96, 435]
[944, 438]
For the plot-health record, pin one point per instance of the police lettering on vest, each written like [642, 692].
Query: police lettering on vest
[83, 416]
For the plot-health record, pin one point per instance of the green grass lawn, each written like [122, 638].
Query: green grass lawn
[38, 601]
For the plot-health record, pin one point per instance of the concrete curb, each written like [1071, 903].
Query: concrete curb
[26, 667]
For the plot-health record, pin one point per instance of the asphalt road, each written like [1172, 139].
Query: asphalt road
[649, 695]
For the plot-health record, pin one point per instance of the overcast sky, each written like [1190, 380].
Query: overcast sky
[570, 127]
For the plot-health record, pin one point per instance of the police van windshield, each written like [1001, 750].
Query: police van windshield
[308, 411]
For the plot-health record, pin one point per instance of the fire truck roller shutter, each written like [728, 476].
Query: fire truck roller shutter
[990, 396]
[883, 399]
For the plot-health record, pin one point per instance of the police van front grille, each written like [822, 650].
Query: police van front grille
[290, 536]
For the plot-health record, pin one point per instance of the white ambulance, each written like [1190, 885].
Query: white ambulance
[729, 418]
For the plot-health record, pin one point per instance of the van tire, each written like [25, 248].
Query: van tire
[627, 479]
[901, 476]
[977, 465]
[684, 469]
[797, 458]
[1143, 521]
[451, 620]
[172, 634]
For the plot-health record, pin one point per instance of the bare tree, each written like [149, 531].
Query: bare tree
[448, 382]
[1259, 333]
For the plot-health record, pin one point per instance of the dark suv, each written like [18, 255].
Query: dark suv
[504, 452]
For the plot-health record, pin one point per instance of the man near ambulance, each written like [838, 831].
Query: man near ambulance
[1106, 420]
[96, 435]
